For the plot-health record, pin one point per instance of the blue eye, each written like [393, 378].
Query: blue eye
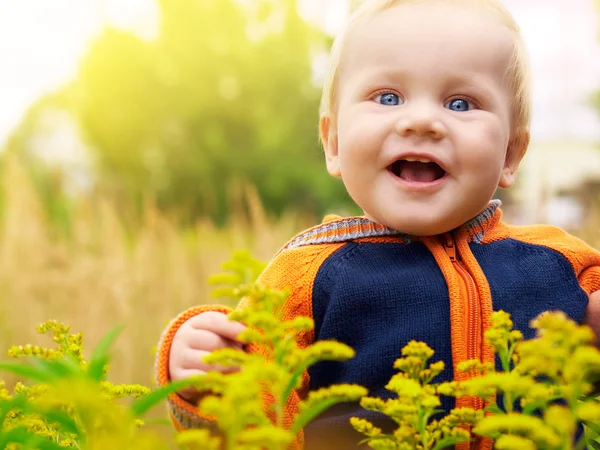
[388, 99]
[459, 104]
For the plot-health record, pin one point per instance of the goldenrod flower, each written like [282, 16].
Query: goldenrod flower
[200, 439]
[539, 394]
[417, 349]
[514, 442]
[533, 427]
[448, 389]
[343, 392]
[588, 411]
[560, 419]
[365, 427]
[267, 436]
[373, 404]
[404, 387]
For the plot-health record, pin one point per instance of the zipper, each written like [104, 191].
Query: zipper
[473, 309]
[474, 332]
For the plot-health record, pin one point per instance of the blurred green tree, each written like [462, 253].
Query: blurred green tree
[225, 94]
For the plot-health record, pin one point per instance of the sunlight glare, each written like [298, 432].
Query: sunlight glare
[140, 16]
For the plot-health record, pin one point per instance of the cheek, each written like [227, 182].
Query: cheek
[363, 134]
[356, 147]
[487, 148]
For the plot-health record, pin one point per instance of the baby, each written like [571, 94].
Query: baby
[425, 113]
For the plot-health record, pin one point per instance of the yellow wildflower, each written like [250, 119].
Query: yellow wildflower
[539, 393]
[448, 389]
[328, 350]
[300, 323]
[404, 387]
[487, 385]
[588, 411]
[533, 427]
[398, 408]
[384, 444]
[514, 442]
[462, 416]
[276, 437]
[365, 427]
[501, 320]
[344, 392]
[417, 349]
[474, 365]
[373, 404]
[560, 418]
[199, 439]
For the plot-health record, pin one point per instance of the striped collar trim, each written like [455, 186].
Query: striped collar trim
[351, 228]
[486, 219]
[341, 230]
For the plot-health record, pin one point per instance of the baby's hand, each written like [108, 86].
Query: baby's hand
[196, 338]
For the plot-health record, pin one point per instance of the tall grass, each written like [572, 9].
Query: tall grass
[100, 274]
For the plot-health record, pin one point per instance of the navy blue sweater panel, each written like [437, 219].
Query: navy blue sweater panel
[376, 297]
[526, 280]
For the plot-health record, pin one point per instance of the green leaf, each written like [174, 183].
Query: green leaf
[58, 368]
[100, 357]
[595, 427]
[15, 435]
[142, 405]
[294, 378]
[26, 371]
[308, 415]
[449, 442]
[65, 421]
[20, 435]
[495, 409]
[594, 444]
[15, 403]
[40, 443]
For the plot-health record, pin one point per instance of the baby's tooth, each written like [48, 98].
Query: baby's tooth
[415, 159]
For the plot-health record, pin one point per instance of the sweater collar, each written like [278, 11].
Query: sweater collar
[335, 229]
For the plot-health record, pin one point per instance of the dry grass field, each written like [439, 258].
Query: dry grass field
[101, 275]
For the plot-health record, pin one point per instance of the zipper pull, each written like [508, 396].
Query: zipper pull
[450, 246]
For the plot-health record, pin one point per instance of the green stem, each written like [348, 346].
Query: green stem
[279, 396]
[422, 425]
[507, 401]
[505, 359]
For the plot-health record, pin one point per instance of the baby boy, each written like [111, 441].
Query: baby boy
[425, 113]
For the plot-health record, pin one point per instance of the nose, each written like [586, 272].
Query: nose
[421, 120]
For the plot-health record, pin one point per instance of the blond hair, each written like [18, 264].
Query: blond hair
[518, 72]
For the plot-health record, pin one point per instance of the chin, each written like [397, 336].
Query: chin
[424, 227]
[419, 228]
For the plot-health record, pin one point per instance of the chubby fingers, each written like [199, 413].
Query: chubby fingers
[199, 339]
[190, 363]
[217, 323]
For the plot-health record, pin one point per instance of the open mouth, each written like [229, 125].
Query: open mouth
[417, 171]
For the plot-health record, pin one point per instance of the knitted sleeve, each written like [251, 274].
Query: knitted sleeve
[294, 269]
[183, 414]
[584, 259]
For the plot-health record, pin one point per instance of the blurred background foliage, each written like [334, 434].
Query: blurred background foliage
[225, 97]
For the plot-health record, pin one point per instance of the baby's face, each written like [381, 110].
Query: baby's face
[423, 124]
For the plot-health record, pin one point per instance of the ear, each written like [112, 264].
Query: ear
[328, 134]
[514, 154]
